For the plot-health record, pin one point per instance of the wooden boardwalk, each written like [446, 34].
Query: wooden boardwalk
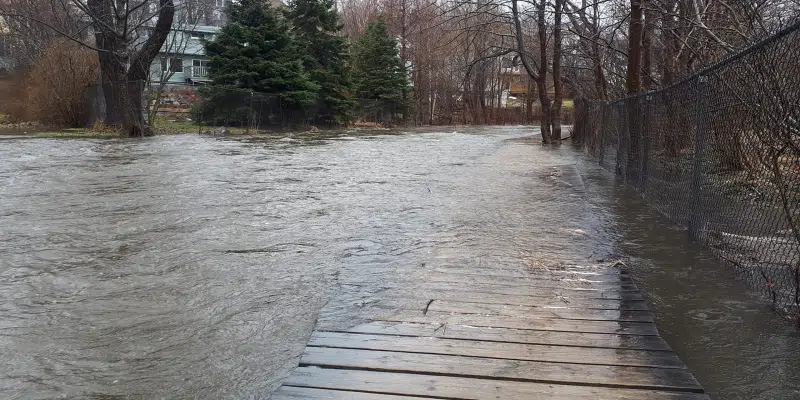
[571, 333]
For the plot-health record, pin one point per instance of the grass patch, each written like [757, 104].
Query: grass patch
[164, 126]
[98, 131]
[77, 133]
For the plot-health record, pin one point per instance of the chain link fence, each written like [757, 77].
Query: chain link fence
[719, 153]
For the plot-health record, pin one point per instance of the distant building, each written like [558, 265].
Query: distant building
[6, 49]
[182, 59]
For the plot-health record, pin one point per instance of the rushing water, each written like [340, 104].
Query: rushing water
[191, 266]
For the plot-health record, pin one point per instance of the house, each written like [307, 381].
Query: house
[6, 61]
[182, 60]
[6, 47]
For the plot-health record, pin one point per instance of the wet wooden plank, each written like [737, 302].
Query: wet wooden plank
[500, 350]
[524, 371]
[448, 387]
[533, 274]
[543, 337]
[565, 300]
[527, 271]
[423, 325]
[508, 289]
[564, 283]
[541, 312]
[304, 393]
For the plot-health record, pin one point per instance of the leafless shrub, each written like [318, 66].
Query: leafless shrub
[56, 84]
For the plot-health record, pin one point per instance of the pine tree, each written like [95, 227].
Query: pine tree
[379, 71]
[316, 25]
[257, 51]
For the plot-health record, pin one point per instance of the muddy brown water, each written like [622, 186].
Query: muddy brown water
[196, 267]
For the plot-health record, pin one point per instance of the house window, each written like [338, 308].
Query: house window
[5, 47]
[175, 64]
[198, 35]
[220, 3]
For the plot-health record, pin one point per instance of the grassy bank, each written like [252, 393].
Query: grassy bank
[163, 126]
[77, 133]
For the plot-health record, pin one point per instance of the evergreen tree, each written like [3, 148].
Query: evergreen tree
[316, 25]
[379, 71]
[257, 51]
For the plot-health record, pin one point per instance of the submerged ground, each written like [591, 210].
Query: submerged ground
[190, 266]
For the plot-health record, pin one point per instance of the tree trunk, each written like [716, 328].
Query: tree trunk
[648, 30]
[632, 144]
[540, 75]
[601, 83]
[555, 113]
[133, 122]
[123, 89]
[541, 83]
[529, 103]
[669, 33]
[633, 81]
[111, 70]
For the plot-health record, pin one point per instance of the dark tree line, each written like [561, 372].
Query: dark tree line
[297, 56]
[462, 58]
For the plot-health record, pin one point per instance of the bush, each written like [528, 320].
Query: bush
[228, 106]
[221, 107]
[56, 85]
[13, 99]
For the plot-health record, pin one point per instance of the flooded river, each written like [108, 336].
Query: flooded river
[196, 267]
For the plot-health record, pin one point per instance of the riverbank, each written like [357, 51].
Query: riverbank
[164, 127]
[194, 266]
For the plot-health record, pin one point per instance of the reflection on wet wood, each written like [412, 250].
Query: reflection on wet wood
[559, 283]
[566, 276]
[494, 349]
[299, 393]
[601, 340]
[540, 312]
[456, 387]
[560, 300]
[515, 290]
[518, 370]
[476, 333]
[433, 323]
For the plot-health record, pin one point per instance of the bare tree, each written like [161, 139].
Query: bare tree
[557, 84]
[188, 16]
[128, 35]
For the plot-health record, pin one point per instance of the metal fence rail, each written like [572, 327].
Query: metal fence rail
[719, 153]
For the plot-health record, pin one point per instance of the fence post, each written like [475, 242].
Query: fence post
[623, 141]
[251, 112]
[645, 136]
[701, 130]
[200, 119]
